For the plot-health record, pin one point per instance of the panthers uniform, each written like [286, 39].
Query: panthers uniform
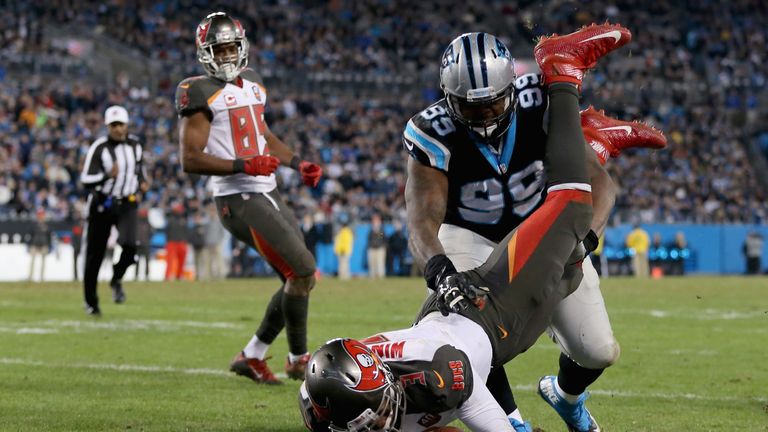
[490, 189]
[249, 206]
[490, 192]
[439, 363]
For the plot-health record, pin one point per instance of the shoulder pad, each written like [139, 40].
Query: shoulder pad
[252, 75]
[426, 137]
[193, 93]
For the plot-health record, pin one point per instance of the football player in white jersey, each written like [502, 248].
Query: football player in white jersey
[223, 134]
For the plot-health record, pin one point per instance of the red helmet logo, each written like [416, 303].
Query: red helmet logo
[202, 31]
[372, 374]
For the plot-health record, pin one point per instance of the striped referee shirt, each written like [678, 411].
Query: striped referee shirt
[102, 155]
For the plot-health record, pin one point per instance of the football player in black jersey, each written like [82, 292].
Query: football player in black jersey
[476, 172]
[513, 294]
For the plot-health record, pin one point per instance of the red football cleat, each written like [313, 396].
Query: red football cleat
[252, 368]
[296, 370]
[567, 58]
[608, 136]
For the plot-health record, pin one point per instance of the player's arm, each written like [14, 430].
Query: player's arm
[310, 172]
[193, 137]
[603, 193]
[481, 412]
[426, 197]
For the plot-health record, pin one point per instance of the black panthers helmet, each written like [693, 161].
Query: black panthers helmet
[352, 389]
[219, 28]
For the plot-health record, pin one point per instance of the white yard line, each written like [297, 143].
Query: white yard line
[223, 372]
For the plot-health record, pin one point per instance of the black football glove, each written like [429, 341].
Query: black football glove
[456, 292]
[438, 268]
[590, 242]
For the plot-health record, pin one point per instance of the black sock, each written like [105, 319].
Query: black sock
[272, 323]
[127, 258]
[499, 387]
[574, 379]
[295, 315]
[566, 147]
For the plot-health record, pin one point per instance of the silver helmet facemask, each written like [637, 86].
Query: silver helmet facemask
[477, 75]
[219, 29]
[388, 416]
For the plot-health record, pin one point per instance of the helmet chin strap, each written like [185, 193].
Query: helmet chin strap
[227, 72]
[485, 131]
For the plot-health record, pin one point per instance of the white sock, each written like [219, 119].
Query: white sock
[256, 349]
[516, 415]
[572, 399]
[293, 357]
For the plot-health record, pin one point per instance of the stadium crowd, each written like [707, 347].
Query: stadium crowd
[695, 69]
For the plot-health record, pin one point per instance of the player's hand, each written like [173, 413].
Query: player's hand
[262, 165]
[456, 292]
[114, 171]
[310, 173]
[437, 268]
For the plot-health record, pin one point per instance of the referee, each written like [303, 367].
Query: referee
[114, 174]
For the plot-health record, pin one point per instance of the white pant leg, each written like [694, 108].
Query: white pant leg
[581, 327]
[464, 248]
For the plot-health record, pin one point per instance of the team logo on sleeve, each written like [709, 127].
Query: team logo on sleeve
[256, 92]
[372, 374]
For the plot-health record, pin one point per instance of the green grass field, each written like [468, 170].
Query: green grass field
[694, 355]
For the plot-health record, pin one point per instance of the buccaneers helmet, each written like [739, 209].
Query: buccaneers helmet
[218, 29]
[477, 75]
[351, 389]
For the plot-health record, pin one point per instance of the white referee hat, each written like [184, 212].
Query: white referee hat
[115, 113]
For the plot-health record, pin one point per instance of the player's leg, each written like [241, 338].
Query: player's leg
[126, 228]
[565, 59]
[581, 327]
[273, 231]
[468, 250]
[96, 234]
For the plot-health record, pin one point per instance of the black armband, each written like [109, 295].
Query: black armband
[591, 241]
[294, 163]
[437, 266]
[238, 166]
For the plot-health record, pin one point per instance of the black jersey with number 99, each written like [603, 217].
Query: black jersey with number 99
[492, 187]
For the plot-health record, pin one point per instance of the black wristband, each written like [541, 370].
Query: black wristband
[591, 241]
[436, 266]
[294, 163]
[238, 166]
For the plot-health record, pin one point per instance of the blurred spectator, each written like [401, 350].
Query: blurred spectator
[679, 249]
[753, 252]
[639, 242]
[377, 249]
[40, 244]
[197, 241]
[143, 242]
[310, 233]
[176, 233]
[397, 247]
[212, 261]
[342, 247]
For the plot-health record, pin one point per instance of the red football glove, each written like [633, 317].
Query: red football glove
[310, 173]
[262, 165]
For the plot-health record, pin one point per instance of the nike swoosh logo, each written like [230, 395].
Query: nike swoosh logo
[504, 332]
[627, 129]
[615, 34]
[408, 145]
[440, 382]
